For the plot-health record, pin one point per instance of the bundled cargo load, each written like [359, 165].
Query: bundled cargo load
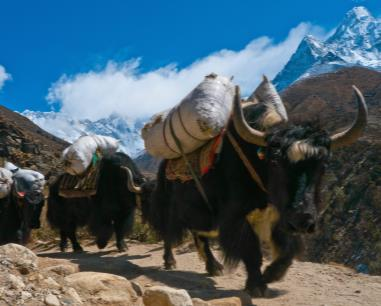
[6, 182]
[199, 117]
[28, 183]
[79, 156]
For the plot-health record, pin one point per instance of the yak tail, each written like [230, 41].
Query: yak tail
[160, 213]
[155, 211]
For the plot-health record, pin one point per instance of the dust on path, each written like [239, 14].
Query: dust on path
[305, 284]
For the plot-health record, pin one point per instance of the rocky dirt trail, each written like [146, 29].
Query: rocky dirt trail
[305, 284]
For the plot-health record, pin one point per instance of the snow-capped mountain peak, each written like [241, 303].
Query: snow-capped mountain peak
[358, 13]
[65, 127]
[355, 42]
[315, 46]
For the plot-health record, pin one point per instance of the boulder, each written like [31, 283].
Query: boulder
[166, 296]
[103, 289]
[52, 300]
[15, 282]
[200, 302]
[230, 301]
[63, 270]
[72, 296]
[21, 257]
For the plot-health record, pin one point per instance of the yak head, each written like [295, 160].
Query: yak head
[294, 156]
[29, 195]
[144, 192]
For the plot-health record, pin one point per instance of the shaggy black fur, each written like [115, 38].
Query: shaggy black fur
[17, 218]
[9, 221]
[293, 188]
[110, 211]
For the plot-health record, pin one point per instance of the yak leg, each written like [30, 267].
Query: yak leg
[71, 233]
[287, 247]
[24, 234]
[120, 231]
[213, 267]
[103, 233]
[252, 258]
[63, 241]
[169, 259]
[240, 243]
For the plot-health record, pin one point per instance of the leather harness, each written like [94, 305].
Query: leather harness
[253, 173]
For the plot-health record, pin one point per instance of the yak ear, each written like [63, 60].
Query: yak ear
[267, 95]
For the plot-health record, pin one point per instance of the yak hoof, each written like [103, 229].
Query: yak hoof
[63, 248]
[170, 265]
[275, 272]
[101, 244]
[78, 249]
[122, 248]
[216, 269]
[258, 291]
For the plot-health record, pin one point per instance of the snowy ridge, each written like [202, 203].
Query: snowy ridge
[69, 129]
[356, 42]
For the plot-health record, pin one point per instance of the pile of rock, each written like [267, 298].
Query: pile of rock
[26, 279]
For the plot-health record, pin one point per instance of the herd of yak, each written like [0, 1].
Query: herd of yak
[263, 188]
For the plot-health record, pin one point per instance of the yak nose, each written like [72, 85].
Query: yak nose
[304, 223]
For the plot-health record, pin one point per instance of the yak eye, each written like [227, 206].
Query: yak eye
[261, 153]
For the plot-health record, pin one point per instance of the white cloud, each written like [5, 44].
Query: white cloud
[122, 89]
[4, 76]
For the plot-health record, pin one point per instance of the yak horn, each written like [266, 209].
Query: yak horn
[130, 182]
[350, 135]
[245, 131]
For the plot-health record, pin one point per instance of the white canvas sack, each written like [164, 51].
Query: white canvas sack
[78, 156]
[199, 117]
[6, 182]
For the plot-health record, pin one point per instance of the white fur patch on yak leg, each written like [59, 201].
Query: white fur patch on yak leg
[262, 221]
[208, 234]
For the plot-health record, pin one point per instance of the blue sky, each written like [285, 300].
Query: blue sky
[42, 41]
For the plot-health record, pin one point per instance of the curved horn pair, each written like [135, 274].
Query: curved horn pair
[130, 182]
[338, 140]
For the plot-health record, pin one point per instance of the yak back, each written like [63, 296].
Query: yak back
[62, 211]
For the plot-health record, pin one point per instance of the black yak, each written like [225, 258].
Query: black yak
[264, 187]
[110, 210]
[20, 210]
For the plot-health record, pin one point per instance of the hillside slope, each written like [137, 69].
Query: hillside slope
[350, 229]
[27, 145]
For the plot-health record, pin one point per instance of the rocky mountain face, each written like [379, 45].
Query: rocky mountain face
[350, 228]
[355, 42]
[27, 145]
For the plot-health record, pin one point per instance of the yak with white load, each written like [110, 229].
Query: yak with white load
[103, 194]
[22, 200]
